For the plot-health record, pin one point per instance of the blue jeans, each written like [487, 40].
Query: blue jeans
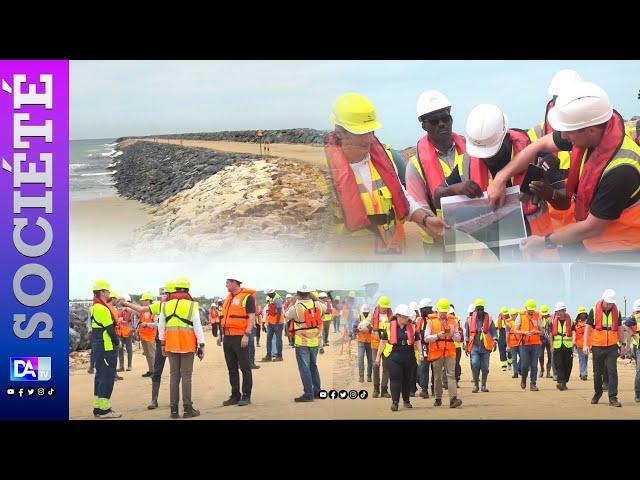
[308, 368]
[252, 347]
[516, 359]
[364, 348]
[274, 329]
[583, 361]
[423, 374]
[479, 360]
[502, 347]
[529, 361]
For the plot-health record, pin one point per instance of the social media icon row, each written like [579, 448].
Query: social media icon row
[343, 394]
[40, 392]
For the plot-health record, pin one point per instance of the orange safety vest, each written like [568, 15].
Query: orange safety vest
[602, 336]
[147, 334]
[526, 326]
[364, 337]
[567, 325]
[622, 234]
[429, 161]
[487, 339]
[513, 339]
[580, 326]
[234, 317]
[214, 316]
[123, 326]
[393, 332]
[444, 347]
[272, 318]
[306, 333]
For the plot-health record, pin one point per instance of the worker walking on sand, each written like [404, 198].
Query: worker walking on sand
[545, 325]
[336, 308]
[274, 326]
[327, 317]
[380, 321]
[306, 315]
[426, 310]
[579, 327]
[528, 325]
[480, 333]
[147, 328]
[501, 329]
[398, 344]
[236, 321]
[563, 337]
[104, 342]
[214, 318]
[513, 342]
[604, 329]
[441, 332]
[631, 327]
[181, 337]
[363, 329]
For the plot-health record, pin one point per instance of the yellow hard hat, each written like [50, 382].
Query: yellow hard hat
[315, 293]
[544, 309]
[113, 294]
[352, 293]
[182, 282]
[170, 287]
[384, 302]
[355, 113]
[504, 310]
[479, 302]
[443, 305]
[582, 310]
[146, 296]
[531, 304]
[100, 285]
[513, 311]
[337, 297]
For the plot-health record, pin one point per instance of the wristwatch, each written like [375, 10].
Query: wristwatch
[548, 243]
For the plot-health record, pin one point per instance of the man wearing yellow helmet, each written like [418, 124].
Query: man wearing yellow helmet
[528, 325]
[380, 319]
[365, 175]
[104, 343]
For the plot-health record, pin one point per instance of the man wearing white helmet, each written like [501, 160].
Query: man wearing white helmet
[491, 145]
[631, 327]
[563, 336]
[363, 329]
[366, 176]
[604, 176]
[327, 316]
[438, 152]
[604, 328]
[306, 316]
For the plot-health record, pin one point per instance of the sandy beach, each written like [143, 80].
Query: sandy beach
[99, 229]
[276, 384]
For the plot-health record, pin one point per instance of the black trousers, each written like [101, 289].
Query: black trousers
[401, 368]
[563, 362]
[158, 362]
[237, 357]
[458, 367]
[604, 360]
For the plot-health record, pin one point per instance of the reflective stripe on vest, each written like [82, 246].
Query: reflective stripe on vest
[233, 317]
[444, 347]
[96, 325]
[485, 331]
[306, 335]
[605, 331]
[563, 335]
[179, 335]
[526, 326]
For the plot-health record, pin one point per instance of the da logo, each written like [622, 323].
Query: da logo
[30, 369]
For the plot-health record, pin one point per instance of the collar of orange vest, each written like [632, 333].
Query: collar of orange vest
[180, 296]
[430, 161]
[584, 186]
[98, 300]
[344, 181]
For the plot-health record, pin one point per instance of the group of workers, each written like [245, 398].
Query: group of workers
[587, 203]
[403, 345]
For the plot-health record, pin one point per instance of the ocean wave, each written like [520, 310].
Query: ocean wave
[98, 174]
[110, 144]
[117, 154]
[108, 154]
[75, 166]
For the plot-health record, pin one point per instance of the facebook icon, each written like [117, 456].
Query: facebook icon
[30, 369]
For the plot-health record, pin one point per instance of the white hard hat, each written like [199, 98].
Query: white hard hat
[562, 79]
[609, 296]
[582, 105]
[269, 290]
[237, 278]
[304, 288]
[127, 298]
[430, 101]
[288, 295]
[486, 128]
[636, 305]
[451, 309]
[471, 308]
[413, 306]
[559, 306]
[403, 310]
[365, 308]
[426, 302]
[322, 295]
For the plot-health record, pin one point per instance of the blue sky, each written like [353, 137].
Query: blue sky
[120, 98]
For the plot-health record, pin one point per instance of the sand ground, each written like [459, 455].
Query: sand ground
[276, 384]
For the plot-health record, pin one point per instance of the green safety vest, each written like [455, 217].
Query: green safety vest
[100, 320]
[561, 339]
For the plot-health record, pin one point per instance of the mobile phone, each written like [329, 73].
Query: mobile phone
[534, 173]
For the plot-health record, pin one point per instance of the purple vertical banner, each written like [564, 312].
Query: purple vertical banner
[34, 239]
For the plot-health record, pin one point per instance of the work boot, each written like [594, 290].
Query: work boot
[476, 376]
[424, 393]
[322, 350]
[254, 366]
[484, 382]
[110, 414]
[190, 412]
[245, 400]
[361, 379]
[376, 393]
[121, 369]
[385, 393]
[230, 401]
[147, 374]
[637, 399]
[129, 368]
[174, 412]
[266, 358]
[118, 377]
[564, 386]
[613, 402]
[548, 371]
[155, 389]
[279, 358]
[533, 388]
[91, 371]
[555, 377]
[515, 375]
[595, 399]
[369, 379]
[455, 402]
[394, 406]
[504, 368]
[438, 402]
[523, 384]
[559, 386]
[303, 398]
[407, 405]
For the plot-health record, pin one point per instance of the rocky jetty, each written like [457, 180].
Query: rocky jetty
[292, 135]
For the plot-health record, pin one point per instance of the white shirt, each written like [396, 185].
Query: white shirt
[197, 327]
[362, 170]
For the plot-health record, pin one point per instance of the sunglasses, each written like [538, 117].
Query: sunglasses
[435, 120]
